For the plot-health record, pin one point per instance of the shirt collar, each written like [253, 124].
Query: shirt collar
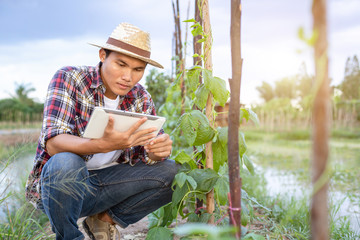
[97, 81]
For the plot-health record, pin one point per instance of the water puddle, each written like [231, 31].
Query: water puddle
[11, 179]
[285, 184]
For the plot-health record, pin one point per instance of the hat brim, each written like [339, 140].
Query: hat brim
[123, 51]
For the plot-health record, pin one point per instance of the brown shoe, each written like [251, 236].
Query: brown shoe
[99, 230]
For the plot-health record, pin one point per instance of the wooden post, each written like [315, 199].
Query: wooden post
[320, 132]
[210, 204]
[234, 111]
[196, 45]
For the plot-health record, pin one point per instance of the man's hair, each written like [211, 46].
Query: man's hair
[107, 52]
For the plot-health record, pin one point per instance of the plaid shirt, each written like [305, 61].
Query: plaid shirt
[72, 95]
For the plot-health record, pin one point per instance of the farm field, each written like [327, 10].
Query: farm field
[280, 181]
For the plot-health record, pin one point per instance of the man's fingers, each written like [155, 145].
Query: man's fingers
[144, 139]
[160, 139]
[136, 125]
[110, 125]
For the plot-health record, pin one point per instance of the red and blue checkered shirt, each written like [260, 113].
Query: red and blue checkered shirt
[71, 97]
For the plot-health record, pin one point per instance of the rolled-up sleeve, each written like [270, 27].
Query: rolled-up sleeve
[59, 109]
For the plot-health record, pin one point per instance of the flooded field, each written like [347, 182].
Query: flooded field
[285, 165]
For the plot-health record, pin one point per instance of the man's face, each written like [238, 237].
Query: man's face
[120, 73]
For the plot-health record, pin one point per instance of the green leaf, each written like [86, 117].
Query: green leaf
[157, 233]
[190, 20]
[182, 158]
[197, 29]
[221, 189]
[248, 163]
[204, 217]
[192, 182]
[249, 114]
[201, 94]
[220, 154]
[192, 78]
[217, 86]
[180, 179]
[223, 135]
[213, 232]
[201, 40]
[205, 179]
[254, 117]
[193, 217]
[204, 133]
[178, 194]
[244, 114]
[188, 125]
[242, 144]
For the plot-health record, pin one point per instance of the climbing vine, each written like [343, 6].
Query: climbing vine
[190, 131]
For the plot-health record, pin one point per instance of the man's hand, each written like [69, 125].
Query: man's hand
[114, 140]
[159, 148]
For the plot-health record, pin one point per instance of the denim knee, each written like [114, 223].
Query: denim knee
[65, 163]
[171, 169]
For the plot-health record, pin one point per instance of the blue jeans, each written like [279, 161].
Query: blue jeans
[127, 193]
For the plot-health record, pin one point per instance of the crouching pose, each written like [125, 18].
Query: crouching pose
[116, 179]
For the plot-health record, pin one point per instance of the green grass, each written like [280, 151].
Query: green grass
[21, 220]
[289, 153]
[289, 217]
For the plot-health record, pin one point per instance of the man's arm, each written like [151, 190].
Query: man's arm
[110, 141]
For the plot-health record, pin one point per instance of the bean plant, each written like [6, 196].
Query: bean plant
[190, 131]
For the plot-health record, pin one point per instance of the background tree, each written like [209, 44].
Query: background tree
[266, 91]
[350, 86]
[304, 82]
[285, 88]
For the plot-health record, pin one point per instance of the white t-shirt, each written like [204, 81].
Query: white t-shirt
[103, 160]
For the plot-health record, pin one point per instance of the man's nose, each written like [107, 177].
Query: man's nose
[126, 75]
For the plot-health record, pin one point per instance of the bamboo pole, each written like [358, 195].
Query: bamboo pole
[320, 150]
[179, 53]
[234, 111]
[196, 45]
[210, 204]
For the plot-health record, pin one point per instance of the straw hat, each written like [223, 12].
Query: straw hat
[132, 41]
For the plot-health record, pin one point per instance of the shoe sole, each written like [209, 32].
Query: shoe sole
[87, 230]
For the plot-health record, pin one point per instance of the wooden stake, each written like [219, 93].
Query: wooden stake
[234, 112]
[210, 204]
[319, 207]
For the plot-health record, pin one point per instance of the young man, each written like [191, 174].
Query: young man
[117, 179]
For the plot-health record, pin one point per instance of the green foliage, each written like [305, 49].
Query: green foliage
[156, 84]
[350, 86]
[266, 91]
[204, 231]
[159, 233]
[20, 107]
[191, 130]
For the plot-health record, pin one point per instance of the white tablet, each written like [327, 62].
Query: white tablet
[123, 121]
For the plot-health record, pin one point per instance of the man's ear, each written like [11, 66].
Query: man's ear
[102, 54]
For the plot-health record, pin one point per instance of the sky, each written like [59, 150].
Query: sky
[37, 37]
